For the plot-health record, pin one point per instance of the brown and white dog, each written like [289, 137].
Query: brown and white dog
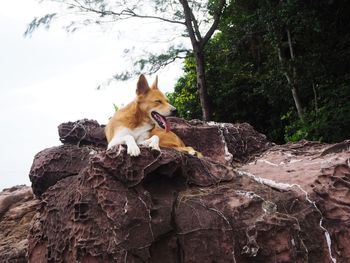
[143, 121]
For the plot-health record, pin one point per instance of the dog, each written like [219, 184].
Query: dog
[143, 121]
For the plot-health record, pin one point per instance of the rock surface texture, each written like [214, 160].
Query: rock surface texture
[17, 208]
[247, 200]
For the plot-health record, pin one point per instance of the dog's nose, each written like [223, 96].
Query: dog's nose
[173, 112]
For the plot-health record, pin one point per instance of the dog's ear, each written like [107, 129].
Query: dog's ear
[142, 85]
[155, 83]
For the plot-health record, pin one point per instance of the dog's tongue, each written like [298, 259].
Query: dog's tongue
[165, 123]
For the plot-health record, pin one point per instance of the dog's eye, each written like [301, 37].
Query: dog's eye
[158, 101]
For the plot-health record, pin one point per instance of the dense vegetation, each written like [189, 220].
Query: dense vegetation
[271, 56]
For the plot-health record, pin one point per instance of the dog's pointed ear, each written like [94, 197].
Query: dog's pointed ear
[142, 85]
[155, 83]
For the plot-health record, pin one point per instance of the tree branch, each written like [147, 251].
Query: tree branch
[195, 25]
[214, 26]
[158, 18]
[156, 68]
[188, 21]
[153, 63]
[124, 14]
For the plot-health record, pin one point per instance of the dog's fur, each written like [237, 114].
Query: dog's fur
[137, 122]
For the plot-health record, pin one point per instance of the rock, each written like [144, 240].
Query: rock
[17, 208]
[321, 173]
[224, 142]
[110, 198]
[247, 200]
[56, 163]
[82, 132]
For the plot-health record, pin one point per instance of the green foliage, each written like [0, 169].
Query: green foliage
[151, 62]
[262, 50]
[329, 123]
[115, 106]
[40, 21]
[246, 76]
[185, 97]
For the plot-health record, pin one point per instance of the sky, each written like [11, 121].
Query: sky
[52, 77]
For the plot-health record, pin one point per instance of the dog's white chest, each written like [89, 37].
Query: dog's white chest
[140, 133]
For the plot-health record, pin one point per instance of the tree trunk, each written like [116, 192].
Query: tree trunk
[198, 43]
[292, 83]
[297, 102]
[315, 97]
[296, 96]
[202, 86]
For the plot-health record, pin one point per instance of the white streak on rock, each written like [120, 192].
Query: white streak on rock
[234, 257]
[284, 186]
[268, 182]
[295, 160]
[293, 242]
[326, 233]
[221, 126]
[246, 194]
[267, 162]
[92, 152]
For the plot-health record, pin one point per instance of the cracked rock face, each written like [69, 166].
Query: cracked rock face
[321, 173]
[17, 208]
[247, 200]
[224, 142]
[53, 164]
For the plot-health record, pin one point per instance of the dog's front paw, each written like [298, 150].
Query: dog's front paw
[152, 142]
[154, 146]
[111, 144]
[133, 150]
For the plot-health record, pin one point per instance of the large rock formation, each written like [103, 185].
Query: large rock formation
[247, 200]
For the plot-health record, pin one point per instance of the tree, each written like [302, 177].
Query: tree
[199, 20]
[248, 81]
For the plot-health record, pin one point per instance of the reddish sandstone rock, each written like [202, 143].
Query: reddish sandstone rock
[247, 200]
[82, 132]
[320, 171]
[17, 208]
[177, 207]
[110, 199]
[224, 142]
[53, 164]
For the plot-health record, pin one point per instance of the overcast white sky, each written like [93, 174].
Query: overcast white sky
[52, 77]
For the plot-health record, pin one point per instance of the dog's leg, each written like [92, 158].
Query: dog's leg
[132, 148]
[152, 142]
